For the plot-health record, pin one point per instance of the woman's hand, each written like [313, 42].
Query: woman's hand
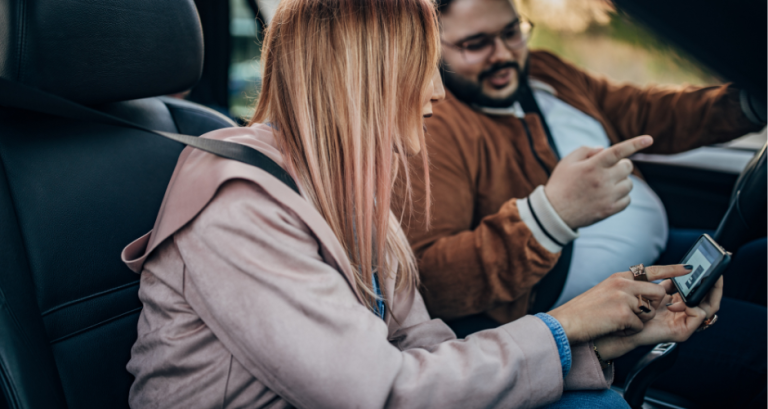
[672, 323]
[613, 307]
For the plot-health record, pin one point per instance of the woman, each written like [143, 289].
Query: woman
[256, 297]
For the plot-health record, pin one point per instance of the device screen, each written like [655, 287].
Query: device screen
[702, 258]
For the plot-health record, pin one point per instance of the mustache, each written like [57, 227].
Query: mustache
[498, 67]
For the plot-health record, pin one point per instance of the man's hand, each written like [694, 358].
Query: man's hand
[592, 184]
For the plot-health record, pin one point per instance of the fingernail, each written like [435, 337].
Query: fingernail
[688, 267]
[646, 141]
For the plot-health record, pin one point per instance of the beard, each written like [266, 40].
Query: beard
[471, 92]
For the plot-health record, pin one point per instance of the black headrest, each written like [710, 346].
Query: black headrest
[97, 51]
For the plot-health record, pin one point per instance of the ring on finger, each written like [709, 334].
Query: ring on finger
[707, 323]
[638, 274]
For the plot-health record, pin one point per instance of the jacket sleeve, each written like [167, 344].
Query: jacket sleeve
[254, 275]
[419, 331]
[679, 118]
[467, 267]
[586, 372]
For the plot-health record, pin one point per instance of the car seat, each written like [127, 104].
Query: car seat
[73, 194]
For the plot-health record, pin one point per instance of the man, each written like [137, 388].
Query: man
[504, 206]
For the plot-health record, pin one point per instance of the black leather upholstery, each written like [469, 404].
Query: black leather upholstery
[98, 51]
[73, 194]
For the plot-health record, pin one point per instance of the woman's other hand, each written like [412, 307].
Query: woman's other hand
[675, 322]
[613, 307]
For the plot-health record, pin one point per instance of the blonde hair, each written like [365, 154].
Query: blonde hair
[343, 83]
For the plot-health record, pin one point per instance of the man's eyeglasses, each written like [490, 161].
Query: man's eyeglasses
[479, 48]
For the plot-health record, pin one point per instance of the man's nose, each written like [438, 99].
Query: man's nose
[438, 90]
[500, 52]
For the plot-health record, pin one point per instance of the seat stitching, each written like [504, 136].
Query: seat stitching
[12, 400]
[22, 26]
[202, 112]
[23, 244]
[12, 389]
[208, 115]
[173, 117]
[94, 326]
[86, 298]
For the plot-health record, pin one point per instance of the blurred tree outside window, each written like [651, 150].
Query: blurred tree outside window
[245, 67]
[594, 36]
[590, 33]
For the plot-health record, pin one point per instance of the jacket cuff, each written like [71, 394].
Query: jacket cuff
[544, 222]
[563, 347]
[586, 372]
[542, 371]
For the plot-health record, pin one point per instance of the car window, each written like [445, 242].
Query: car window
[594, 35]
[245, 68]
[590, 33]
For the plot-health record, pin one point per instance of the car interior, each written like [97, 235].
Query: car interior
[731, 41]
[73, 193]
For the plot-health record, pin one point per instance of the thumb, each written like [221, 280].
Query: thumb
[594, 151]
[677, 307]
[582, 153]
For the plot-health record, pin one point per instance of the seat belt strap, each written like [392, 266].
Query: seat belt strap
[529, 104]
[17, 95]
[547, 291]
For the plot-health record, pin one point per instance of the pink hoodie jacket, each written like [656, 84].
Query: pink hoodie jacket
[249, 302]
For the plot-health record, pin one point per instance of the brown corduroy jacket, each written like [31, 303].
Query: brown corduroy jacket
[478, 256]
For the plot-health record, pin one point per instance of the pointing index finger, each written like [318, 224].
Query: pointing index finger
[621, 150]
[661, 272]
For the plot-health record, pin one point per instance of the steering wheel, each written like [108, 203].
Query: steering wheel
[744, 220]
[746, 215]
